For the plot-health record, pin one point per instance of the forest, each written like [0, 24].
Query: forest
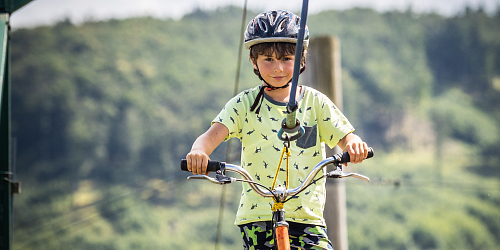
[103, 112]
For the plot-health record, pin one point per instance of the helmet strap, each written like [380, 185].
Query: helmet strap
[260, 96]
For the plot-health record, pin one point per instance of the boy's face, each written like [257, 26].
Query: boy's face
[277, 72]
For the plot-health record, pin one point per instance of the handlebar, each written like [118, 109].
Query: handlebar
[221, 167]
[344, 157]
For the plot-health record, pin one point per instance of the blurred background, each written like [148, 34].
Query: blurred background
[108, 96]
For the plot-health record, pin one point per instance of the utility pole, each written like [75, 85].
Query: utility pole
[7, 186]
[324, 74]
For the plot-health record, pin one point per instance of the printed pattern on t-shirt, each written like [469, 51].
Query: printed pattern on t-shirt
[261, 150]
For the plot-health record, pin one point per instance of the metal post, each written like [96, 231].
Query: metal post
[324, 74]
[5, 144]
[7, 186]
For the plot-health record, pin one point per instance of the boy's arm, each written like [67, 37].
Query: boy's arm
[204, 145]
[357, 148]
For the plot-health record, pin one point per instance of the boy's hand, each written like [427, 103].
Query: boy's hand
[197, 159]
[197, 162]
[358, 151]
[357, 148]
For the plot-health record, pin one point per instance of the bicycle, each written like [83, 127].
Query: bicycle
[280, 194]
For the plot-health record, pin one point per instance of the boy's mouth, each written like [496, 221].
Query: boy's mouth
[278, 78]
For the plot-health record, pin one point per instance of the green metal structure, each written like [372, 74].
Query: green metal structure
[7, 186]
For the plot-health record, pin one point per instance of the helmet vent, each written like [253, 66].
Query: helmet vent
[263, 25]
[272, 17]
[282, 24]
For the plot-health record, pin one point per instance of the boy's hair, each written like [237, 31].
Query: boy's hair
[281, 49]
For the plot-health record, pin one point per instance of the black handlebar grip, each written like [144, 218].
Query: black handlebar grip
[344, 157]
[211, 167]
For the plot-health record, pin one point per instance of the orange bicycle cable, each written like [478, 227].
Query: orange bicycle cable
[288, 154]
[278, 169]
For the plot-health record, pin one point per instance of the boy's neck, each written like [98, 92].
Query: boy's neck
[282, 95]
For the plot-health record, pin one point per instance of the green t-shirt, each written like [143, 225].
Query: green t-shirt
[261, 151]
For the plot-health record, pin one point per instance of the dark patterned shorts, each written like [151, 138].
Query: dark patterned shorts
[259, 236]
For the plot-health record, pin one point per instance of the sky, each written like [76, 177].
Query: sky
[47, 12]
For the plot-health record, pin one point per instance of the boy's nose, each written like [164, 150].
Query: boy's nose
[278, 66]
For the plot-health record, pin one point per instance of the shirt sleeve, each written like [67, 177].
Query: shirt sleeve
[231, 116]
[333, 125]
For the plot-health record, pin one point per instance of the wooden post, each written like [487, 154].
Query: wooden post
[324, 74]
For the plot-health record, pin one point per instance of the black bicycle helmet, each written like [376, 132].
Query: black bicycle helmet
[274, 26]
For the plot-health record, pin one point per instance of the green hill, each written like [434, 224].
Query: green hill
[104, 111]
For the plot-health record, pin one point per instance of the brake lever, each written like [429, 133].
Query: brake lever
[356, 175]
[337, 173]
[219, 179]
[203, 177]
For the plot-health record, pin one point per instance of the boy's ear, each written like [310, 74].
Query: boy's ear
[254, 63]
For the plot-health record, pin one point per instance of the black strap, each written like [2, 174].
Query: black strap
[260, 97]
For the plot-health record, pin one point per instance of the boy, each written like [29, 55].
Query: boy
[255, 115]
